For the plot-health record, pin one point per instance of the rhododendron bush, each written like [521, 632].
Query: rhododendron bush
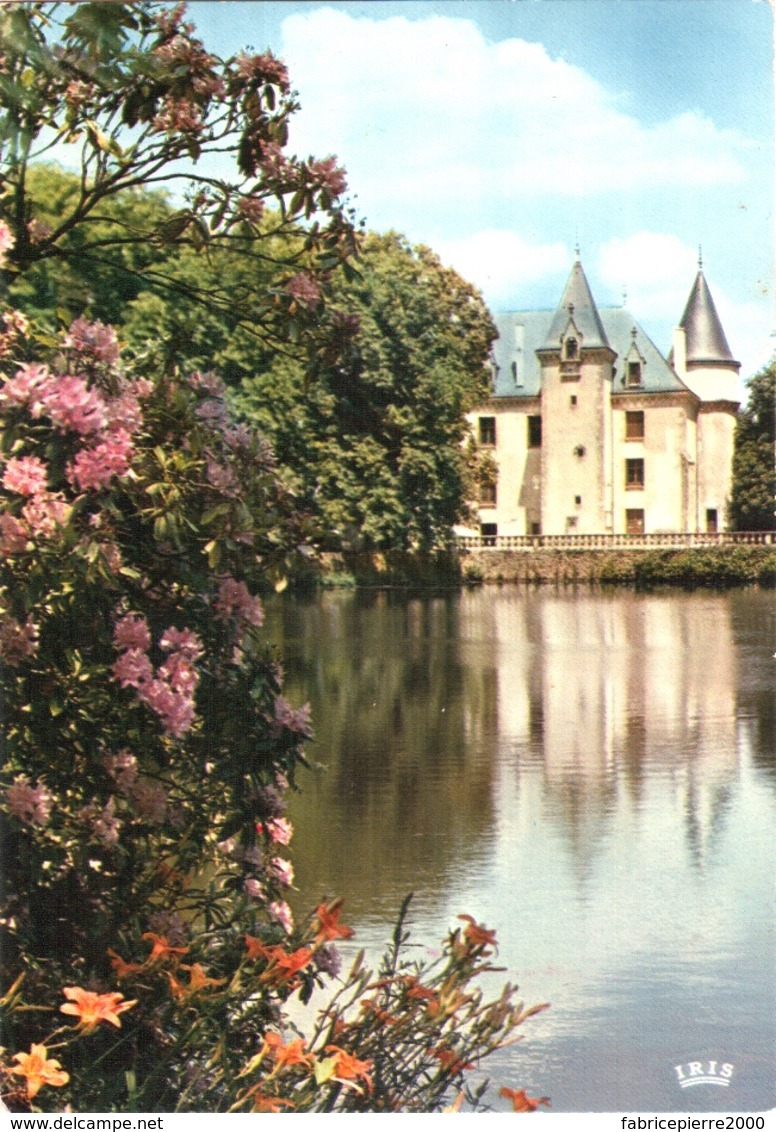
[148, 950]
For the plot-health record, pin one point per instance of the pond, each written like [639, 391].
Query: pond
[590, 772]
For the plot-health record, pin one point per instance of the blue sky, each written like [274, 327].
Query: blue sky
[503, 132]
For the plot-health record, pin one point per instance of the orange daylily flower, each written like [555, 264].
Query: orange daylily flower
[121, 968]
[292, 1054]
[477, 935]
[449, 1059]
[162, 947]
[256, 948]
[329, 926]
[349, 1068]
[269, 1104]
[284, 965]
[198, 980]
[521, 1102]
[92, 1008]
[39, 1069]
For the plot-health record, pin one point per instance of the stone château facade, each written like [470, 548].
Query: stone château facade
[591, 430]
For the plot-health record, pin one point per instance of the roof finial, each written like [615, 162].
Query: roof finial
[700, 258]
[625, 294]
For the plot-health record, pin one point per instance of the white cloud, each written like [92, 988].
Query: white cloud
[502, 264]
[656, 269]
[428, 116]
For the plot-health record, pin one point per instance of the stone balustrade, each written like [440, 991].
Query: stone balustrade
[669, 540]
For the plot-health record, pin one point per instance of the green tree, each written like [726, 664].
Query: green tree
[753, 503]
[377, 441]
[144, 106]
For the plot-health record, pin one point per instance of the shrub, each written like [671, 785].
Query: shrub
[148, 948]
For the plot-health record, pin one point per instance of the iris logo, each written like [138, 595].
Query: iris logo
[704, 1073]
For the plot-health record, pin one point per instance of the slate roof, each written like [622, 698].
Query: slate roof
[577, 304]
[521, 333]
[706, 341]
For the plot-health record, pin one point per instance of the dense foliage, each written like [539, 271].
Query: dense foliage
[377, 442]
[149, 957]
[141, 105]
[368, 424]
[753, 505]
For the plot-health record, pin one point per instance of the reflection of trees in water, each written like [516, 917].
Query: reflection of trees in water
[752, 610]
[404, 798]
[615, 699]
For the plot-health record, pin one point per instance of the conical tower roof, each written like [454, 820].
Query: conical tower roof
[577, 303]
[706, 341]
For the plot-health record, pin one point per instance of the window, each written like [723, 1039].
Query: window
[578, 500]
[712, 524]
[634, 475]
[487, 431]
[489, 533]
[515, 375]
[571, 349]
[536, 528]
[634, 425]
[634, 521]
[488, 493]
[534, 432]
[633, 373]
[573, 400]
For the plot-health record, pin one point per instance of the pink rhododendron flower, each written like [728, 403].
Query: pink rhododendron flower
[6, 241]
[132, 632]
[179, 115]
[331, 176]
[235, 600]
[93, 340]
[251, 209]
[25, 385]
[304, 288]
[279, 830]
[294, 719]
[253, 888]
[14, 535]
[184, 641]
[283, 870]
[102, 821]
[71, 405]
[25, 475]
[125, 411]
[280, 911]
[263, 69]
[179, 673]
[31, 804]
[133, 669]
[95, 467]
[174, 708]
[45, 514]
[13, 326]
[18, 642]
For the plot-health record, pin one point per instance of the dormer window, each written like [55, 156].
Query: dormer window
[572, 350]
[634, 364]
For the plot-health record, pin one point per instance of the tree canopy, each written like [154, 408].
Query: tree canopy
[753, 503]
[377, 442]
